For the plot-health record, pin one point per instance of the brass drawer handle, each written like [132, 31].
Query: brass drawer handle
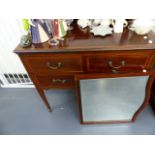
[52, 66]
[115, 71]
[116, 67]
[59, 81]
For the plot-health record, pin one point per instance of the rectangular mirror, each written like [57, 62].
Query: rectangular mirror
[111, 99]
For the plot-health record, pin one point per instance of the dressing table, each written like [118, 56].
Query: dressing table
[82, 60]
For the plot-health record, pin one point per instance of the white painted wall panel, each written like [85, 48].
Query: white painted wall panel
[10, 33]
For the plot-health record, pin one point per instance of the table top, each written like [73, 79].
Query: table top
[80, 40]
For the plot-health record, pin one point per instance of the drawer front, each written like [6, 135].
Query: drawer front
[49, 63]
[103, 63]
[56, 81]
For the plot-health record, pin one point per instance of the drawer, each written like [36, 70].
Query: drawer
[55, 81]
[121, 62]
[49, 63]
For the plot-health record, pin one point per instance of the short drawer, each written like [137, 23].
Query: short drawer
[56, 81]
[49, 63]
[103, 63]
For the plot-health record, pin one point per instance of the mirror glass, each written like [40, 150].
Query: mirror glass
[111, 99]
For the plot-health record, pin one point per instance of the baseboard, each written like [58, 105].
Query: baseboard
[17, 86]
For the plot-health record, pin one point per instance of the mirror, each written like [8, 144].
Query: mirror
[111, 99]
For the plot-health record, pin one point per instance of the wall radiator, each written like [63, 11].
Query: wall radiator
[12, 72]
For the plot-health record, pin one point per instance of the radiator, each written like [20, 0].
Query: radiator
[15, 80]
[12, 72]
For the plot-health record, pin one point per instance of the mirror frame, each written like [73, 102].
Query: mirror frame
[79, 77]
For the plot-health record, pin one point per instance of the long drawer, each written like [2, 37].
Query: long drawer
[121, 62]
[53, 63]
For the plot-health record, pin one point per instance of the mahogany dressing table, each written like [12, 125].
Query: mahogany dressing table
[82, 60]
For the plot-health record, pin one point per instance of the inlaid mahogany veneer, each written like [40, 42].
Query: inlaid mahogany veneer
[83, 54]
[55, 81]
[117, 61]
[53, 63]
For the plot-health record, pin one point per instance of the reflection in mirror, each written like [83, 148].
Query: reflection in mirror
[111, 99]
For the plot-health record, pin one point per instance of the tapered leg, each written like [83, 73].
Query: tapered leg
[42, 95]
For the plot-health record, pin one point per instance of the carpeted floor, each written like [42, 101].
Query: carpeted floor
[22, 112]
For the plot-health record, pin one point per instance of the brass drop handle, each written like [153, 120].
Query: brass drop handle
[58, 81]
[54, 66]
[115, 71]
[116, 67]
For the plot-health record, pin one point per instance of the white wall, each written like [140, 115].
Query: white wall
[10, 33]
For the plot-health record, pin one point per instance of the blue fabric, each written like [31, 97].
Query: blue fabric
[35, 31]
